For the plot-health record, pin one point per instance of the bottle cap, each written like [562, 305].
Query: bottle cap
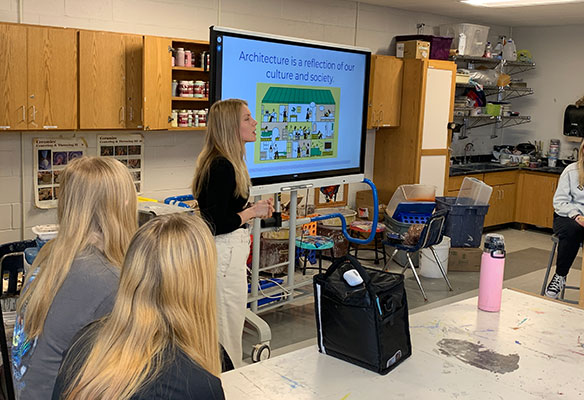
[494, 242]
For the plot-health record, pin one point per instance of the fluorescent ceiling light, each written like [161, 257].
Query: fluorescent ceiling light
[515, 3]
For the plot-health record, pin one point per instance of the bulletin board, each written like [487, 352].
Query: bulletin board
[128, 149]
[51, 156]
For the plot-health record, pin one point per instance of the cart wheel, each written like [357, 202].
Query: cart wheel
[260, 352]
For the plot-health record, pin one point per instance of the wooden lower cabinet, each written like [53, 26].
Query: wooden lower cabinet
[535, 199]
[502, 202]
[501, 205]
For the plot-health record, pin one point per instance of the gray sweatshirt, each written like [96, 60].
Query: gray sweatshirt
[87, 294]
[569, 196]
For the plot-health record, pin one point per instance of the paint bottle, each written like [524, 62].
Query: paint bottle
[491, 275]
[180, 57]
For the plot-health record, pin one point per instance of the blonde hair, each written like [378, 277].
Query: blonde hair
[97, 209]
[166, 298]
[581, 164]
[223, 140]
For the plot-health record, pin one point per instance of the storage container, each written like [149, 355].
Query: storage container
[475, 38]
[473, 192]
[413, 49]
[414, 192]
[464, 223]
[439, 45]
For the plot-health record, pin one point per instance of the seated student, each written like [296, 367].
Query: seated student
[568, 221]
[161, 340]
[74, 278]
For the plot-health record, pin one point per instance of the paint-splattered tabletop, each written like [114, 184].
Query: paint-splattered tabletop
[532, 349]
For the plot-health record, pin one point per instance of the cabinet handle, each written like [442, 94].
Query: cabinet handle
[34, 111]
[23, 113]
[122, 112]
[131, 113]
[502, 194]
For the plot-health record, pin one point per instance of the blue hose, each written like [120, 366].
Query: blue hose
[344, 222]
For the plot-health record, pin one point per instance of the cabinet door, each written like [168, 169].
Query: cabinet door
[157, 82]
[13, 77]
[535, 199]
[52, 78]
[102, 85]
[501, 205]
[385, 90]
[134, 49]
[438, 106]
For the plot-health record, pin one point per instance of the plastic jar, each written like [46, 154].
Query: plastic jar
[183, 118]
[174, 88]
[190, 118]
[202, 118]
[174, 116]
[183, 89]
[188, 58]
[199, 89]
[180, 57]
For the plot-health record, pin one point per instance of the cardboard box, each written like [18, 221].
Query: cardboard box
[464, 259]
[413, 49]
[364, 205]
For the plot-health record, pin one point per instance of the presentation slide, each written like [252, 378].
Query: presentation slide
[309, 102]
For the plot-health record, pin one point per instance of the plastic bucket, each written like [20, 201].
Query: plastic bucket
[428, 265]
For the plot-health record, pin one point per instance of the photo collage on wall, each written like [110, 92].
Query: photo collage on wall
[51, 156]
[128, 149]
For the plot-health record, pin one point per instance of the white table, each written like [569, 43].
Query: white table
[532, 349]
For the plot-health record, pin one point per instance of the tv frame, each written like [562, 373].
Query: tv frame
[288, 182]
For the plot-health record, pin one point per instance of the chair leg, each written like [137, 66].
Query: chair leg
[383, 252]
[549, 267]
[376, 254]
[320, 262]
[386, 267]
[305, 254]
[416, 276]
[441, 268]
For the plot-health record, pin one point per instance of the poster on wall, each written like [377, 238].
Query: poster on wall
[51, 156]
[128, 149]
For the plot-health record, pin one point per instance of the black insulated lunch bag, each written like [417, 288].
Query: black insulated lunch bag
[367, 324]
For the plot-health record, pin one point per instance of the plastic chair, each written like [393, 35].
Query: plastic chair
[11, 263]
[431, 235]
[555, 241]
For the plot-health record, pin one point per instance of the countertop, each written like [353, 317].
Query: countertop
[479, 168]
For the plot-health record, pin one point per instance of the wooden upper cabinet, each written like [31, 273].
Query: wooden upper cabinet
[38, 78]
[157, 80]
[13, 102]
[52, 78]
[102, 88]
[134, 55]
[385, 92]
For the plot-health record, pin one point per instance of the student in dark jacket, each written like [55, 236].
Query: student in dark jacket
[221, 186]
[160, 341]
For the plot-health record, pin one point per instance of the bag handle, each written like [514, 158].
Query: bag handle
[355, 264]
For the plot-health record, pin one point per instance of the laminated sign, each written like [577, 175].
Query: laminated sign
[51, 156]
[128, 149]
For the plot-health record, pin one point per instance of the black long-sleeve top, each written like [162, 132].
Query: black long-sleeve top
[217, 202]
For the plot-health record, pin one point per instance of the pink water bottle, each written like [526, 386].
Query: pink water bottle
[492, 270]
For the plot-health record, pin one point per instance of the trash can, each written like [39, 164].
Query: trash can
[464, 223]
[401, 228]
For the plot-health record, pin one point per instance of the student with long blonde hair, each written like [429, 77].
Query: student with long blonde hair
[74, 278]
[160, 341]
[568, 221]
[221, 186]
